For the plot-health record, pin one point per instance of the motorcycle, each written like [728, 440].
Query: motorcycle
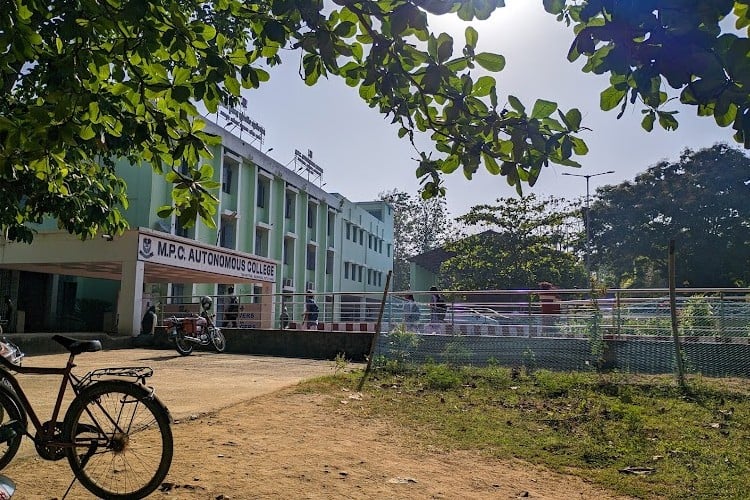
[199, 330]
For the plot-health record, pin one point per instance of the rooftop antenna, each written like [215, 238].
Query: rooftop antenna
[235, 115]
[306, 164]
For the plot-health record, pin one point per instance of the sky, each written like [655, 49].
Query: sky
[362, 156]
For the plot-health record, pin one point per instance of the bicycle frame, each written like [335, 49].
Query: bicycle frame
[47, 434]
[67, 377]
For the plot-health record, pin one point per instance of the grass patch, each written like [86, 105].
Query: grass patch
[593, 425]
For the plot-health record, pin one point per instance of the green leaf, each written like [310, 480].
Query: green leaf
[554, 6]
[472, 37]
[648, 121]
[490, 62]
[543, 109]
[491, 164]
[232, 85]
[444, 47]
[667, 120]
[87, 133]
[483, 86]
[165, 211]
[515, 103]
[610, 98]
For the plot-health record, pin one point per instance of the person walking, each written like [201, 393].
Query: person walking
[310, 317]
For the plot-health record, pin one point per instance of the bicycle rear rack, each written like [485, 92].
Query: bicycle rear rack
[140, 373]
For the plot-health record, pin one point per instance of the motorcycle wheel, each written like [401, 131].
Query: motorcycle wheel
[218, 340]
[184, 347]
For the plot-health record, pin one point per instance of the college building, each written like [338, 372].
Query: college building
[278, 235]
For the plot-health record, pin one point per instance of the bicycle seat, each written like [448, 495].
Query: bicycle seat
[78, 346]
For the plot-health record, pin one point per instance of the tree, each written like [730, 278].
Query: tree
[650, 46]
[419, 225]
[87, 83]
[526, 241]
[700, 201]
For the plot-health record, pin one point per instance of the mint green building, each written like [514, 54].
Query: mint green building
[278, 234]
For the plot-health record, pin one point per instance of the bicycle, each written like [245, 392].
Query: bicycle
[114, 449]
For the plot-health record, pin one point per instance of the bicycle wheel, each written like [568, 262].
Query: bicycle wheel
[123, 440]
[12, 426]
[218, 340]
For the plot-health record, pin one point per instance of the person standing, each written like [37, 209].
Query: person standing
[310, 317]
[233, 307]
[284, 317]
[11, 323]
[412, 313]
[437, 306]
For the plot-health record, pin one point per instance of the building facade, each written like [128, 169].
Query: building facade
[268, 213]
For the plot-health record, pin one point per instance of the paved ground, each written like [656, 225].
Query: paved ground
[188, 385]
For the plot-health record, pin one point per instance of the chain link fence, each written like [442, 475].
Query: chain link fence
[624, 330]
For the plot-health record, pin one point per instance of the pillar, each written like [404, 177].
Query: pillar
[267, 309]
[129, 299]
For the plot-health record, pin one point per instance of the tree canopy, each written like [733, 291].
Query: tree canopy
[86, 83]
[526, 241]
[700, 201]
[419, 225]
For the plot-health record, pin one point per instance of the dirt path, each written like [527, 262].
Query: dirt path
[256, 443]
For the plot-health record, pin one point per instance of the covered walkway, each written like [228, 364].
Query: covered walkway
[136, 257]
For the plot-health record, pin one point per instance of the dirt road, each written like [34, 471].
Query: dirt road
[240, 435]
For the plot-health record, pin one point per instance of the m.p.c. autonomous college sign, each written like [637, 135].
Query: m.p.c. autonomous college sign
[158, 250]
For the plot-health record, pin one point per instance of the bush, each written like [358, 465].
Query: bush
[442, 377]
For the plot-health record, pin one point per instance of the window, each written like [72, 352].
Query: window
[369, 276]
[310, 215]
[369, 241]
[389, 249]
[360, 274]
[288, 251]
[310, 258]
[261, 242]
[348, 231]
[226, 180]
[346, 270]
[226, 234]
[381, 246]
[178, 293]
[179, 229]
[329, 263]
[261, 195]
[289, 205]
[362, 238]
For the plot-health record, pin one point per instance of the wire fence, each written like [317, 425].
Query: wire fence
[628, 330]
[625, 330]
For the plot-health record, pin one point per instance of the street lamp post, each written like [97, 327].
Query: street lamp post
[586, 218]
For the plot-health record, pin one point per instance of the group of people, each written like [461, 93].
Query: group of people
[309, 317]
[412, 311]
[438, 308]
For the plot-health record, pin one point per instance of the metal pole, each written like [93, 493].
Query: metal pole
[586, 217]
[673, 315]
[588, 230]
[375, 337]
